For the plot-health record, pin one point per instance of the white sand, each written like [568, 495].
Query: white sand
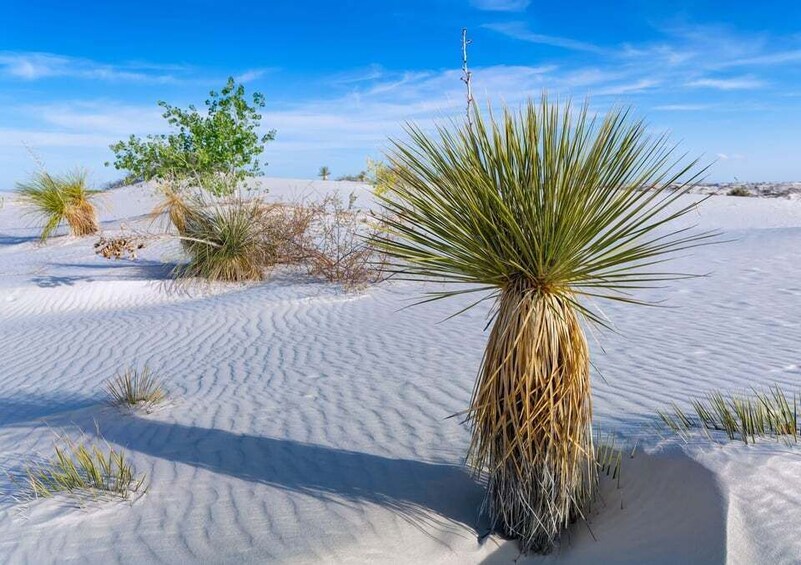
[308, 425]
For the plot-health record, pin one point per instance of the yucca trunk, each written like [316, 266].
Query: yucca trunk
[82, 218]
[531, 417]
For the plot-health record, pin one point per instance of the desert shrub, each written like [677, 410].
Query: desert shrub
[121, 247]
[287, 231]
[225, 241]
[361, 177]
[382, 176]
[134, 388]
[765, 414]
[338, 247]
[739, 191]
[86, 469]
[58, 199]
[540, 210]
[221, 142]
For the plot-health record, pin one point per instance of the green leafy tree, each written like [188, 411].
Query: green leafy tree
[217, 148]
[324, 172]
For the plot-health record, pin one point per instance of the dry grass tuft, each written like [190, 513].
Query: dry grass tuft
[134, 388]
[61, 199]
[175, 204]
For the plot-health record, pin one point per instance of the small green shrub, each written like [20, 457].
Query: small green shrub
[361, 177]
[134, 388]
[383, 177]
[82, 468]
[739, 191]
[58, 199]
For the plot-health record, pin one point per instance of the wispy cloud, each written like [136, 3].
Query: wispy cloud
[769, 59]
[251, 75]
[733, 83]
[30, 66]
[501, 5]
[681, 107]
[520, 31]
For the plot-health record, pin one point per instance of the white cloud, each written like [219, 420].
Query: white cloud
[251, 75]
[31, 66]
[501, 5]
[769, 59]
[99, 116]
[519, 30]
[16, 138]
[735, 83]
[682, 107]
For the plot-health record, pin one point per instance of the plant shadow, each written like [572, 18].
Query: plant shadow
[122, 269]
[414, 489]
[17, 239]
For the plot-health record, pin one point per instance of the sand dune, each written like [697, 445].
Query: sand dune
[309, 425]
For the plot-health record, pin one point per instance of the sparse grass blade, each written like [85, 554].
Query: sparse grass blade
[743, 418]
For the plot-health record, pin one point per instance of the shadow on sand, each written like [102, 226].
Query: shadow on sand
[668, 508]
[407, 486]
[6, 239]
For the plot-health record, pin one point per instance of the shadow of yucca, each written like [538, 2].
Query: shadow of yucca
[412, 488]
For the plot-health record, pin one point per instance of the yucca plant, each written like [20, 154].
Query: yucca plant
[541, 209]
[58, 199]
[226, 241]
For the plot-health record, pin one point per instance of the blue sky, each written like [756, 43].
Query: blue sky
[341, 76]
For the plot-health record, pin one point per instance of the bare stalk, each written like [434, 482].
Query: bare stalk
[467, 76]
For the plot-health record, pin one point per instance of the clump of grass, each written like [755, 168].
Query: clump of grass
[59, 199]
[82, 468]
[766, 414]
[739, 191]
[225, 241]
[134, 388]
